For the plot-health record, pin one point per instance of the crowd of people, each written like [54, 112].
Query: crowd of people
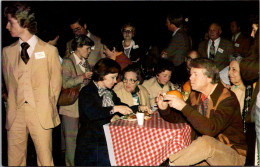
[115, 77]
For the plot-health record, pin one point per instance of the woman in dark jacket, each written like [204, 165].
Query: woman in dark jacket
[97, 105]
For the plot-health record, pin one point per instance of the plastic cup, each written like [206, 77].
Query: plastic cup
[140, 118]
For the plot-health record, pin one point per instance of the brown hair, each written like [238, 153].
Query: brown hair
[210, 67]
[23, 14]
[103, 67]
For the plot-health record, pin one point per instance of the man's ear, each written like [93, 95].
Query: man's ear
[85, 26]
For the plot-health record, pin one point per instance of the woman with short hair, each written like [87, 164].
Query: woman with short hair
[97, 105]
[75, 71]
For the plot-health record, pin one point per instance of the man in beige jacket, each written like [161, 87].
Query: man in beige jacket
[32, 74]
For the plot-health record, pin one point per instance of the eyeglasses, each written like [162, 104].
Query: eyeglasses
[77, 29]
[127, 31]
[131, 81]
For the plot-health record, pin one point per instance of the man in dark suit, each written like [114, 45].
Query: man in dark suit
[221, 49]
[240, 41]
[179, 44]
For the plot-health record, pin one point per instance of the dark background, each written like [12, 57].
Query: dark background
[149, 17]
[107, 17]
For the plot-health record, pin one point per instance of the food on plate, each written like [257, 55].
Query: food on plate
[175, 92]
[115, 118]
[147, 117]
[130, 117]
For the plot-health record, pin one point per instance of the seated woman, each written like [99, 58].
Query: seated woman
[161, 82]
[114, 50]
[130, 92]
[97, 104]
[238, 86]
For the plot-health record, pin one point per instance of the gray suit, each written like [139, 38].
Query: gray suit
[223, 53]
[178, 48]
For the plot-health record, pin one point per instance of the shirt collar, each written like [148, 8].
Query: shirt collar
[237, 35]
[216, 42]
[88, 35]
[32, 41]
[78, 59]
[130, 46]
[175, 31]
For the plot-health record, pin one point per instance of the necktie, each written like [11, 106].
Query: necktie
[212, 51]
[86, 65]
[24, 55]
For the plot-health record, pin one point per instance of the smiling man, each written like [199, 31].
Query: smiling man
[216, 48]
[214, 114]
[32, 74]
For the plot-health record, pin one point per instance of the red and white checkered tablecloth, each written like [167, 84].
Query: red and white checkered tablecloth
[132, 145]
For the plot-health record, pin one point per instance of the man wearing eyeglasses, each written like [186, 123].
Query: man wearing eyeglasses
[79, 27]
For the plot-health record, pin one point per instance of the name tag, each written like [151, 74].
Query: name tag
[237, 45]
[39, 55]
[220, 50]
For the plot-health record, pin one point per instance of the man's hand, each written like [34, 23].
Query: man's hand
[175, 102]
[162, 105]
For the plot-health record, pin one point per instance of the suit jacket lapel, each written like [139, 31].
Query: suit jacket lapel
[38, 48]
[78, 70]
[16, 52]
[206, 48]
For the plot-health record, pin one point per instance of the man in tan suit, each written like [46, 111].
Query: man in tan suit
[33, 80]
[79, 27]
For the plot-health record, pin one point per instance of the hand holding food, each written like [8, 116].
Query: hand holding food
[145, 109]
[175, 99]
[123, 109]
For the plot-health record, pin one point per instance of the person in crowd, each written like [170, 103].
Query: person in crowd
[131, 92]
[79, 26]
[193, 54]
[75, 71]
[249, 68]
[213, 112]
[132, 49]
[238, 86]
[178, 46]
[255, 26]
[216, 48]
[32, 74]
[51, 36]
[161, 82]
[240, 41]
[97, 104]
[114, 50]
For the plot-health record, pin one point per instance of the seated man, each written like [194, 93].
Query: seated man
[213, 111]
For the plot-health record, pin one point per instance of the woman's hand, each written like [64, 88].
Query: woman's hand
[145, 108]
[88, 75]
[162, 105]
[123, 109]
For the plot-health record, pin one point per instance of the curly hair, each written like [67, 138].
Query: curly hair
[23, 14]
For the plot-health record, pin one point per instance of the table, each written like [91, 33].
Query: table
[149, 145]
